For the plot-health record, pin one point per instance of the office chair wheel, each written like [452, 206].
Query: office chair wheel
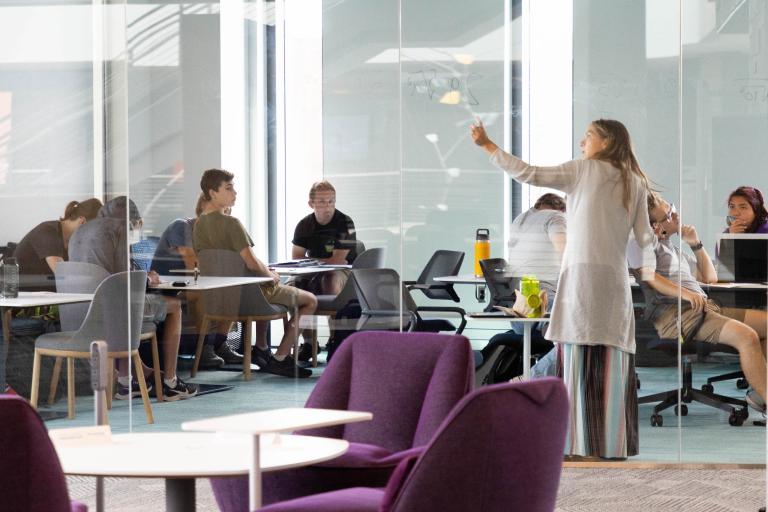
[682, 411]
[656, 420]
[744, 412]
[735, 419]
[742, 384]
[709, 388]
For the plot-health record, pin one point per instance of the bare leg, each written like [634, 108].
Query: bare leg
[745, 339]
[122, 368]
[333, 282]
[758, 320]
[307, 304]
[261, 334]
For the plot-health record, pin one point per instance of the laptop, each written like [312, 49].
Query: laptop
[742, 258]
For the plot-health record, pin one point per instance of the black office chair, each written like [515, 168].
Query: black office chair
[687, 392]
[500, 284]
[381, 295]
[442, 263]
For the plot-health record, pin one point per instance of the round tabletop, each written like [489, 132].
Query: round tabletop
[193, 455]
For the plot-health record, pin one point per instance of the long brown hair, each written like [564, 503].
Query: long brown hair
[618, 152]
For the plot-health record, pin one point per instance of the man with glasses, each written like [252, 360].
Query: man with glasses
[328, 235]
[675, 272]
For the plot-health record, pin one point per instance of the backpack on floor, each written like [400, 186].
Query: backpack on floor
[351, 311]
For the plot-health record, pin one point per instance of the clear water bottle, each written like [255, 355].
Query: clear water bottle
[10, 271]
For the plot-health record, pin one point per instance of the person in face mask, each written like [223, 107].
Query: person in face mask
[105, 243]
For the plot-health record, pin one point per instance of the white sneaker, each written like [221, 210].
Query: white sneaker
[755, 401]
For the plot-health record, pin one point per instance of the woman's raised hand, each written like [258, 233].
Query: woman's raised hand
[477, 130]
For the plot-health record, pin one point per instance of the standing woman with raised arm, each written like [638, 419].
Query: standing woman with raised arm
[592, 317]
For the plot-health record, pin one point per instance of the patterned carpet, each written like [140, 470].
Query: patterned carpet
[581, 490]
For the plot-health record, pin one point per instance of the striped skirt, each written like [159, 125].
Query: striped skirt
[602, 392]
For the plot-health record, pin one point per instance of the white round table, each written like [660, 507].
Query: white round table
[181, 457]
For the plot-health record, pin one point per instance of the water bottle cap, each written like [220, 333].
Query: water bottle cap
[483, 234]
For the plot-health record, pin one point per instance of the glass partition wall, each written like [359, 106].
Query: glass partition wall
[377, 98]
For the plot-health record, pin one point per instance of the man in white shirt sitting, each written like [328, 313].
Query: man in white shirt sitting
[674, 272]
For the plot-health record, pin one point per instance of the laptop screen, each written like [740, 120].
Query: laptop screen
[742, 258]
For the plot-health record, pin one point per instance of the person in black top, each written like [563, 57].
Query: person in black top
[327, 235]
[47, 243]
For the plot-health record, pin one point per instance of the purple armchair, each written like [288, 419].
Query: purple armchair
[409, 381]
[30, 473]
[501, 449]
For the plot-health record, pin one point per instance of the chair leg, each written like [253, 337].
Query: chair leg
[247, 349]
[143, 387]
[54, 381]
[199, 348]
[156, 369]
[110, 381]
[35, 379]
[71, 388]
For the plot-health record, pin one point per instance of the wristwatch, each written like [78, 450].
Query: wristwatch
[697, 246]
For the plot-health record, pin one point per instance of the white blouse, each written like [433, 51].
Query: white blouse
[593, 305]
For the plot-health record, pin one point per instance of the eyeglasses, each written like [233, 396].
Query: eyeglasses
[672, 211]
[323, 202]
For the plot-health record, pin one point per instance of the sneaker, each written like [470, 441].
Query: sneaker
[755, 401]
[261, 357]
[229, 356]
[124, 394]
[287, 368]
[180, 391]
[209, 359]
[305, 352]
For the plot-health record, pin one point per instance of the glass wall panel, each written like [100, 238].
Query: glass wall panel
[725, 125]
[625, 67]
[362, 151]
[49, 137]
[457, 67]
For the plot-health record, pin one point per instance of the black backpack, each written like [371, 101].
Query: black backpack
[351, 311]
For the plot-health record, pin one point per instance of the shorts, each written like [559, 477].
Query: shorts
[287, 296]
[314, 284]
[717, 317]
[155, 308]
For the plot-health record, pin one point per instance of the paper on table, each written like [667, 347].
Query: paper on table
[507, 311]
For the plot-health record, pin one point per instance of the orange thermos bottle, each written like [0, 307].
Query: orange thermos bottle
[482, 249]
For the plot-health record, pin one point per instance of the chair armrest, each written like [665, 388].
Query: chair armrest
[447, 309]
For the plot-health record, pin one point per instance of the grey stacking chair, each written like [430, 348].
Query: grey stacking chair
[329, 305]
[111, 317]
[245, 304]
[81, 277]
[386, 303]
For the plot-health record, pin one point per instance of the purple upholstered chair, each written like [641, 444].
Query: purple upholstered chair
[501, 449]
[409, 381]
[30, 473]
